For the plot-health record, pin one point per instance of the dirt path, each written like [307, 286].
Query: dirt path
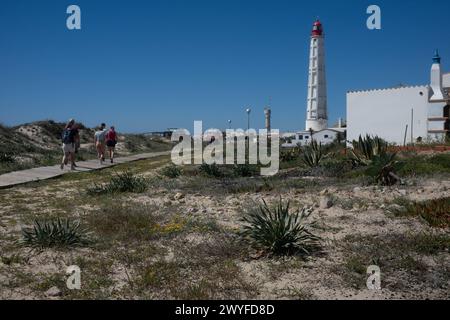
[44, 173]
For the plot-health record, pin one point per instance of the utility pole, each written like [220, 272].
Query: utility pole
[412, 126]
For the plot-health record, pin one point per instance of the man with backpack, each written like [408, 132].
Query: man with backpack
[68, 144]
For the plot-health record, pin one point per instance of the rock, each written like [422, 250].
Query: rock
[326, 203]
[167, 203]
[178, 196]
[356, 189]
[192, 210]
[324, 192]
[169, 257]
[53, 292]
[402, 192]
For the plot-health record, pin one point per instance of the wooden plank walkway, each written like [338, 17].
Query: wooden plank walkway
[43, 173]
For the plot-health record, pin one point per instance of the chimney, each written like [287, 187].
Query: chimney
[436, 79]
[267, 113]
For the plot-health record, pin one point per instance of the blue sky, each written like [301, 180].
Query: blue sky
[148, 65]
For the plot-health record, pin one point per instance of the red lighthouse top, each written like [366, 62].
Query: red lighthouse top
[317, 29]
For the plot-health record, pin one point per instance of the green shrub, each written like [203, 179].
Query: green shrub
[211, 170]
[171, 171]
[279, 231]
[243, 170]
[130, 222]
[442, 160]
[419, 166]
[7, 158]
[55, 233]
[291, 154]
[436, 211]
[119, 183]
[334, 168]
[383, 169]
[313, 154]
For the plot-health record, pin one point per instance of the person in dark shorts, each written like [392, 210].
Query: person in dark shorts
[68, 144]
[111, 141]
[76, 133]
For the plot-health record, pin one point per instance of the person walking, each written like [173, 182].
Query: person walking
[68, 145]
[76, 134]
[99, 142]
[111, 141]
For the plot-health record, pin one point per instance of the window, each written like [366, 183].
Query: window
[326, 136]
[306, 137]
[300, 137]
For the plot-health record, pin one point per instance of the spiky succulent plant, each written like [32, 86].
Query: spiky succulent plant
[279, 231]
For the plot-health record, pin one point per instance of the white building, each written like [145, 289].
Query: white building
[302, 138]
[402, 114]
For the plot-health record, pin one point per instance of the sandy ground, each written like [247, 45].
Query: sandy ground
[359, 211]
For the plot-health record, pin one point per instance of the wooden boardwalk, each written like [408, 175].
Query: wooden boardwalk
[43, 173]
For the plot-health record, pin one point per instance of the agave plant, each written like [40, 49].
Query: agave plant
[313, 154]
[279, 231]
[365, 149]
[121, 182]
[383, 169]
[55, 233]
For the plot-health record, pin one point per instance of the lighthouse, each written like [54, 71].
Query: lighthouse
[317, 115]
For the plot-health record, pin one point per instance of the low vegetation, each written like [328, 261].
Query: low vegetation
[158, 231]
[436, 211]
[171, 171]
[120, 182]
[395, 254]
[55, 233]
[278, 230]
[211, 170]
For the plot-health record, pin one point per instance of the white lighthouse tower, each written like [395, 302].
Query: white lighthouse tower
[317, 115]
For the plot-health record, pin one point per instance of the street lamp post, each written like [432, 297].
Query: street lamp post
[248, 110]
